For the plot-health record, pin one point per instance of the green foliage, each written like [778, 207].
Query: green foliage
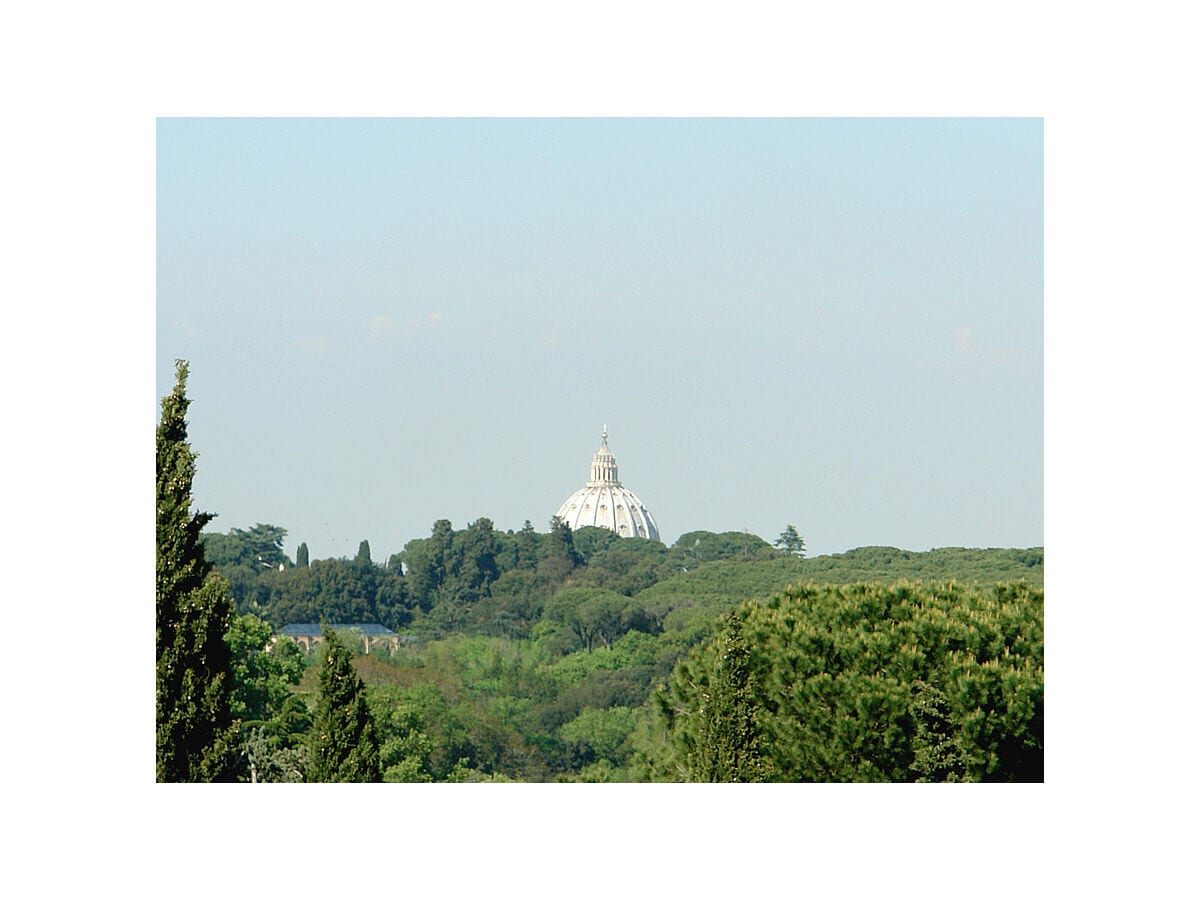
[558, 554]
[450, 571]
[717, 730]
[343, 745]
[590, 540]
[258, 547]
[302, 556]
[406, 751]
[270, 761]
[626, 565]
[195, 734]
[274, 721]
[593, 615]
[790, 542]
[528, 647]
[889, 564]
[697, 547]
[334, 590]
[875, 683]
[601, 734]
[262, 675]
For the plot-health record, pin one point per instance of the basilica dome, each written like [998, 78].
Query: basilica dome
[603, 502]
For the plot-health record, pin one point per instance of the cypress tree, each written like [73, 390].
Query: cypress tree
[302, 556]
[727, 744]
[343, 744]
[195, 734]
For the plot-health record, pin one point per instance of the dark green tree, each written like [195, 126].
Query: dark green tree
[195, 735]
[429, 562]
[302, 556]
[593, 615]
[559, 556]
[527, 546]
[591, 540]
[721, 739]
[255, 548]
[791, 542]
[364, 552]
[697, 547]
[477, 558]
[343, 745]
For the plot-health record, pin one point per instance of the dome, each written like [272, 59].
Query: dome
[604, 503]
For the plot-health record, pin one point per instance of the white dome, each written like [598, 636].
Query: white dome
[604, 503]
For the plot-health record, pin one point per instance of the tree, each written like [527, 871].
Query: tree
[867, 682]
[195, 735]
[274, 722]
[263, 673]
[791, 542]
[364, 552]
[591, 539]
[593, 615]
[255, 548]
[559, 556]
[697, 547]
[527, 546]
[476, 558]
[429, 562]
[601, 733]
[720, 737]
[343, 745]
[302, 556]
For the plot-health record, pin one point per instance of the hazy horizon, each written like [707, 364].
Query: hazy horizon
[829, 323]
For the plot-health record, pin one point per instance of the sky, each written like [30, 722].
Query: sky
[829, 323]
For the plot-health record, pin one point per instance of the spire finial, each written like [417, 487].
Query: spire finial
[604, 435]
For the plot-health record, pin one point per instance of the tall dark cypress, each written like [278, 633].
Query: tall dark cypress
[343, 746]
[195, 739]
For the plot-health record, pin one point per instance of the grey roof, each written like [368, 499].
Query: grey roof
[311, 629]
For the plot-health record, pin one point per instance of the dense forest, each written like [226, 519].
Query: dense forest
[583, 656]
[564, 655]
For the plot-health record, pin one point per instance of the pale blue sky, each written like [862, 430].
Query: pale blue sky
[832, 323]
